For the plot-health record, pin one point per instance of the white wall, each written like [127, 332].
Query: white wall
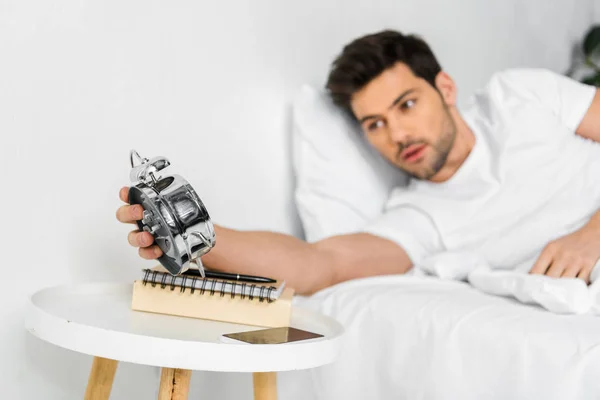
[208, 85]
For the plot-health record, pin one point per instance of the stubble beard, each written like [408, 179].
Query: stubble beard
[439, 150]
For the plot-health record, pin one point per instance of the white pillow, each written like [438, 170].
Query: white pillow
[342, 183]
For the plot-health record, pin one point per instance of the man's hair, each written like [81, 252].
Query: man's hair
[367, 57]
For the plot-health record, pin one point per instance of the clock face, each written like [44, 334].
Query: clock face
[173, 214]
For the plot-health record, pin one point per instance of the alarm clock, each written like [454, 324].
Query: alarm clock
[173, 213]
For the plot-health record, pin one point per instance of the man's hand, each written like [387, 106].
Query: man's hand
[144, 240]
[571, 256]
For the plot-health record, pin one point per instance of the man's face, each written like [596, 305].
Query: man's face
[406, 120]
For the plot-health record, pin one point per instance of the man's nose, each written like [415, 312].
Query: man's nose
[397, 132]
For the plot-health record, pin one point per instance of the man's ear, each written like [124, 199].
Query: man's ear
[445, 85]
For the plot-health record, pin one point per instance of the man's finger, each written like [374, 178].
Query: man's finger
[543, 262]
[557, 267]
[572, 270]
[129, 214]
[585, 275]
[124, 194]
[150, 253]
[140, 239]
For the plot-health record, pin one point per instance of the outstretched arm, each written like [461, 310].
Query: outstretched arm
[307, 267]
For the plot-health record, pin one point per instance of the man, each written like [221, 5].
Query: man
[517, 173]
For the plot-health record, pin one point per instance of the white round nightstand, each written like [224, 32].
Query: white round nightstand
[96, 319]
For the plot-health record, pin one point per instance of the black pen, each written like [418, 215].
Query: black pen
[230, 276]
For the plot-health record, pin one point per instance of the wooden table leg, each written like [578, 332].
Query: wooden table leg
[174, 384]
[265, 385]
[101, 379]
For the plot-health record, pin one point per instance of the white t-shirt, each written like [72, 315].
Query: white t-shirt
[528, 180]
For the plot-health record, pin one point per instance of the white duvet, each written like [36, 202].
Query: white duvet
[559, 295]
[417, 337]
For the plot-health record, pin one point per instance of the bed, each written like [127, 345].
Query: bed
[414, 337]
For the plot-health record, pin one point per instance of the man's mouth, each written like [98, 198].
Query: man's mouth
[413, 153]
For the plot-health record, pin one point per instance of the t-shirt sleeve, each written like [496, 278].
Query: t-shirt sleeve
[568, 99]
[411, 229]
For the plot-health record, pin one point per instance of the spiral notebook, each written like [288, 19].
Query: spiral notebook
[267, 305]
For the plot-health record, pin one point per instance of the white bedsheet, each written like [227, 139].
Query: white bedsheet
[410, 337]
[559, 295]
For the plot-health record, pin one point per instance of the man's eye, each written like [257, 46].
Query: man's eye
[375, 125]
[408, 104]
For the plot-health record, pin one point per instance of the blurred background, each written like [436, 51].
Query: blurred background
[208, 85]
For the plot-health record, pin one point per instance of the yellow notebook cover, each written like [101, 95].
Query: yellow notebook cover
[215, 299]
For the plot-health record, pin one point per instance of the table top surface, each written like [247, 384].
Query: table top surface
[96, 319]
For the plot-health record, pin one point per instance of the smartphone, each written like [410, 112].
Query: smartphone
[270, 336]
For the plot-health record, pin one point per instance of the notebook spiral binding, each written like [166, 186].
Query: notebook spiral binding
[246, 290]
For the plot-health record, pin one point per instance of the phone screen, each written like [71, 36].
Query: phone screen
[273, 335]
